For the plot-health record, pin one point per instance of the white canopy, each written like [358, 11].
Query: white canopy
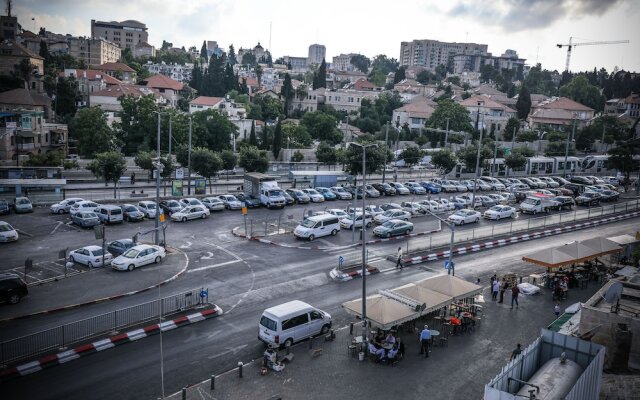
[433, 300]
[382, 311]
[451, 286]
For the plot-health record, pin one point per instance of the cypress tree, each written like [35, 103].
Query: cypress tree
[277, 140]
[253, 140]
[203, 51]
[523, 105]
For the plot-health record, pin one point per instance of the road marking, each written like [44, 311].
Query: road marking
[186, 246]
[233, 350]
[24, 233]
[214, 266]
[209, 256]
[58, 225]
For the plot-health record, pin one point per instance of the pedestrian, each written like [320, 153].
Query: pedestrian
[514, 296]
[503, 288]
[133, 178]
[495, 287]
[399, 259]
[516, 352]
[425, 337]
[494, 278]
[556, 310]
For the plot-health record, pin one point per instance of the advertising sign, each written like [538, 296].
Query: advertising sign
[200, 186]
[176, 188]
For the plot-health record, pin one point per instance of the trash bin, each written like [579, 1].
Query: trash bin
[361, 356]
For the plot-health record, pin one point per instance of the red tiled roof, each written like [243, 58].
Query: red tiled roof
[23, 97]
[486, 102]
[162, 82]
[114, 66]
[250, 81]
[206, 101]
[419, 109]
[633, 98]
[16, 49]
[122, 90]
[93, 74]
[563, 103]
[362, 83]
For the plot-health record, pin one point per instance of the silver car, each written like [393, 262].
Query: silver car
[213, 203]
[64, 206]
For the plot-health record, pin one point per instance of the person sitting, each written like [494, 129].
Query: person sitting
[375, 350]
[392, 354]
[379, 339]
[456, 323]
[400, 346]
[390, 339]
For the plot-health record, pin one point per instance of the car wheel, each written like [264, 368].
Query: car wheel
[73, 260]
[158, 259]
[534, 212]
[131, 267]
[387, 235]
[324, 330]
[288, 343]
[513, 215]
[368, 225]
[203, 216]
[14, 299]
[477, 220]
[184, 219]
[61, 211]
[461, 222]
[334, 232]
[90, 264]
[408, 231]
[311, 237]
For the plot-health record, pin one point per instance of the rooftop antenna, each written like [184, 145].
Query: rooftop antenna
[270, 36]
[9, 7]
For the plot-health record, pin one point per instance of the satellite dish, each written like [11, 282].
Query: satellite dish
[613, 293]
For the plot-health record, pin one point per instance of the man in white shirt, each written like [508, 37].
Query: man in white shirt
[399, 259]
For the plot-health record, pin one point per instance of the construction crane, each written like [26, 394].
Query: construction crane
[571, 45]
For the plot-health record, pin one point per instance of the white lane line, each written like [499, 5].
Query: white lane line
[58, 225]
[213, 266]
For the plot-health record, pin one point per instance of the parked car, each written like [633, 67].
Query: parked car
[527, 181]
[467, 198]
[338, 213]
[446, 185]
[464, 216]
[562, 202]
[431, 187]
[109, 214]
[609, 195]
[119, 246]
[459, 186]
[137, 256]
[341, 193]
[190, 201]
[550, 182]
[85, 205]
[301, 197]
[348, 222]
[148, 208]
[213, 203]
[400, 188]
[373, 210]
[518, 187]
[370, 191]
[576, 188]
[392, 214]
[326, 193]
[560, 180]
[493, 182]
[595, 180]
[12, 288]
[611, 180]
[498, 198]
[588, 199]
[413, 208]
[131, 213]
[64, 206]
[230, 201]
[543, 191]
[22, 205]
[288, 200]
[508, 196]
[314, 195]
[384, 188]
[469, 184]
[430, 205]
[7, 233]
[91, 256]
[446, 205]
[499, 211]
[170, 206]
[393, 227]
[390, 206]
[482, 185]
[85, 219]
[190, 212]
[249, 200]
[487, 201]
[583, 180]
[561, 191]
[415, 188]
[4, 207]
[540, 184]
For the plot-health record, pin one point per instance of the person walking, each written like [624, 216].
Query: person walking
[503, 288]
[399, 259]
[556, 310]
[495, 287]
[516, 352]
[514, 296]
[425, 337]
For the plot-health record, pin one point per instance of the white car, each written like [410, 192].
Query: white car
[509, 197]
[230, 201]
[84, 205]
[373, 210]
[190, 201]
[148, 208]
[337, 212]
[137, 256]
[7, 233]
[446, 205]
[430, 205]
[464, 216]
[213, 203]
[347, 222]
[595, 180]
[467, 198]
[400, 188]
[392, 214]
[499, 212]
[550, 182]
[446, 185]
[190, 212]
[611, 180]
[541, 184]
[341, 193]
[64, 206]
[459, 186]
[518, 187]
[413, 207]
[498, 198]
[91, 256]
[482, 185]
[314, 195]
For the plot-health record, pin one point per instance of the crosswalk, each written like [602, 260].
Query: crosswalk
[353, 255]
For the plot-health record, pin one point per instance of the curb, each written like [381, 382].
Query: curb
[355, 273]
[515, 239]
[104, 344]
[100, 300]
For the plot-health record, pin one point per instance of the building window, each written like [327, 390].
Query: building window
[46, 138]
[39, 139]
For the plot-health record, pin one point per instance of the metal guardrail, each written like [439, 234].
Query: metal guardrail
[62, 336]
[517, 226]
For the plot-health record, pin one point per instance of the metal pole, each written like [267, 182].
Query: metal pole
[386, 141]
[157, 219]
[161, 351]
[189, 161]
[451, 270]
[513, 138]
[170, 136]
[566, 149]
[364, 261]
[446, 135]
[473, 196]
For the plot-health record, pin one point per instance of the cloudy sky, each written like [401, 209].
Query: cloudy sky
[531, 27]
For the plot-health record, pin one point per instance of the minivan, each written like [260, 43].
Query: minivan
[291, 322]
[109, 214]
[317, 226]
[22, 205]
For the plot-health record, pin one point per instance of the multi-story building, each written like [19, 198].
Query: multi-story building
[96, 51]
[144, 49]
[180, 73]
[12, 54]
[629, 106]
[89, 81]
[9, 27]
[347, 99]
[214, 49]
[317, 53]
[119, 71]
[258, 52]
[431, 53]
[109, 99]
[168, 88]
[559, 113]
[343, 62]
[414, 115]
[296, 64]
[488, 114]
[125, 34]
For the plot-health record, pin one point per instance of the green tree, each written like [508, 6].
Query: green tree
[259, 72]
[623, 158]
[556, 136]
[205, 163]
[525, 151]
[144, 160]
[109, 166]
[411, 155]
[229, 159]
[469, 155]
[167, 166]
[232, 58]
[138, 123]
[212, 130]
[512, 124]
[540, 81]
[66, 97]
[400, 74]
[425, 77]
[297, 136]
[326, 154]
[380, 68]
[270, 108]
[320, 77]
[50, 159]
[253, 140]
[90, 128]
[448, 109]
[523, 105]
[264, 140]
[288, 93]
[361, 63]
[253, 160]
[322, 127]
[526, 136]
[556, 149]
[203, 51]
[580, 90]
[444, 160]
[297, 156]
[374, 159]
[277, 140]
[515, 161]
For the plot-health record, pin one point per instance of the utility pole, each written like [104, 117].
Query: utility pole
[170, 136]
[513, 138]
[446, 135]
[189, 156]
[386, 143]
[475, 184]
[495, 154]
[158, 164]
[566, 149]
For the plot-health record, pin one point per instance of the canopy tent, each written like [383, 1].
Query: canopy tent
[451, 286]
[602, 245]
[623, 239]
[577, 251]
[382, 311]
[550, 258]
[572, 253]
[433, 300]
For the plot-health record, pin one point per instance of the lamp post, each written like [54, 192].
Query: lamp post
[386, 144]
[475, 183]
[364, 243]
[157, 165]
[566, 149]
[452, 269]
[446, 135]
[189, 157]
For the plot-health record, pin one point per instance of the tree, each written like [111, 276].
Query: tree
[109, 166]
[264, 140]
[361, 63]
[469, 156]
[231, 57]
[205, 163]
[523, 105]
[380, 68]
[50, 159]
[411, 155]
[203, 51]
[144, 160]
[326, 154]
[288, 93]
[400, 75]
[91, 129]
[138, 123]
[322, 127]
[525, 151]
[374, 159]
[66, 97]
[297, 156]
[556, 149]
[448, 109]
[213, 130]
[444, 160]
[513, 125]
[320, 77]
[253, 140]
[253, 160]
[229, 160]
[297, 136]
[540, 81]
[527, 136]
[259, 72]
[622, 158]
[580, 90]
[515, 161]
[425, 77]
[277, 140]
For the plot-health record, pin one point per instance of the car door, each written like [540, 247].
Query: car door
[83, 256]
[142, 257]
[316, 322]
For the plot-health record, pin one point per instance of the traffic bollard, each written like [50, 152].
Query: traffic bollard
[184, 393]
[351, 328]
[213, 382]
[240, 369]
[311, 343]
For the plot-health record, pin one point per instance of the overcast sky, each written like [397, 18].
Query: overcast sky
[371, 27]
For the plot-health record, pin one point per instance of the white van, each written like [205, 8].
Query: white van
[109, 214]
[291, 322]
[317, 226]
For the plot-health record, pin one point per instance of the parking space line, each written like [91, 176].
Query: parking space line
[213, 266]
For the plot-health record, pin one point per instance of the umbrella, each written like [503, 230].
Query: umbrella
[578, 251]
[382, 311]
[434, 300]
[549, 258]
[602, 246]
[450, 286]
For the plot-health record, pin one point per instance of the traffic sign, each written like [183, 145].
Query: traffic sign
[162, 217]
[340, 261]
[448, 265]
[98, 230]
[204, 293]
[179, 173]
[244, 209]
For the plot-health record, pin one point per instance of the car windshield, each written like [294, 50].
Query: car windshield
[275, 192]
[130, 209]
[496, 208]
[312, 191]
[131, 253]
[388, 213]
[174, 203]
[89, 215]
[5, 228]
[460, 213]
[96, 252]
[151, 206]
[307, 223]
[389, 224]
[23, 201]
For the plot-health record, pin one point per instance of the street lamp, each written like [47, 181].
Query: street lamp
[158, 166]
[364, 243]
[475, 183]
[451, 270]
[566, 149]
[189, 157]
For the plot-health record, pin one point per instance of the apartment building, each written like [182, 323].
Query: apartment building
[296, 64]
[109, 99]
[144, 49]
[125, 34]
[89, 81]
[489, 114]
[414, 115]
[317, 53]
[94, 51]
[119, 71]
[168, 88]
[180, 73]
[343, 62]
[12, 53]
[431, 53]
[559, 113]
